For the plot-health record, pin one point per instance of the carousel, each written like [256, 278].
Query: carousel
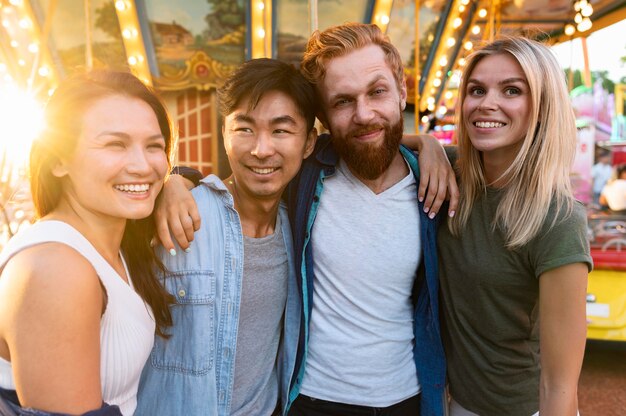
[185, 48]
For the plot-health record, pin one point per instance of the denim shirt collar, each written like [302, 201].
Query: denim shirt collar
[215, 183]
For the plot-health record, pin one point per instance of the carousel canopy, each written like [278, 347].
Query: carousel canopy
[181, 44]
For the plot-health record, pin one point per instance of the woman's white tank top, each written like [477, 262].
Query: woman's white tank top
[127, 325]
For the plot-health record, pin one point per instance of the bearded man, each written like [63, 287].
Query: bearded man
[365, 245]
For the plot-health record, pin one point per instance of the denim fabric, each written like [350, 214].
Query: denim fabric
[303, 196]
[192, 372]
[8, 407]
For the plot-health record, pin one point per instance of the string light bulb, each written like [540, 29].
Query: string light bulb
[121, 5]
[129, 32]
[584, 25]
[584, 10]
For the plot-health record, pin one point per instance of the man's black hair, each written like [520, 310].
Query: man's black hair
[256, 77]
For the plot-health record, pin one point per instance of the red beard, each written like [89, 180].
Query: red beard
[368, 160]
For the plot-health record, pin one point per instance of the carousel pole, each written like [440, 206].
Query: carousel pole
[570, 76]
[492, 21]
[416, 65]
[586, 72]
[45, 32]
[88, 50]
[313, 15]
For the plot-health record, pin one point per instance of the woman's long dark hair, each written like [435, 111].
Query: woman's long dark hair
[63, 115]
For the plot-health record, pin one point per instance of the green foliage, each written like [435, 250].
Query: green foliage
[607, 83]
[106, 20]
[226, 17]
[577, 81]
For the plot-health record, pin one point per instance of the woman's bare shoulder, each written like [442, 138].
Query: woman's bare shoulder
[50, 273]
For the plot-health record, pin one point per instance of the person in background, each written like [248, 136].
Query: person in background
[514, 259]
[79, 300]
[237, 319]
[601, 173]
[614, 192]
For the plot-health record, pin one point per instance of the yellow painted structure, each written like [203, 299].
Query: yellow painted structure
[606, 317]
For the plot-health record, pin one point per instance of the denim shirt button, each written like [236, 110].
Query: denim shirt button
[226, 352]
[182, 292]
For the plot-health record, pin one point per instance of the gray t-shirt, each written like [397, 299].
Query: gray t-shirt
[490, 304]
[366, 252]
[263, 297]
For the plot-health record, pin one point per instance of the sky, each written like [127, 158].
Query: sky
[605, 48]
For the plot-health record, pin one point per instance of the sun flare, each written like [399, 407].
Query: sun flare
[21, 120]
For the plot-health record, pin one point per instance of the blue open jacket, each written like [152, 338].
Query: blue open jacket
[303, 196]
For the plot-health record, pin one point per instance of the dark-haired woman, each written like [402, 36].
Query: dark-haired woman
[79, 301]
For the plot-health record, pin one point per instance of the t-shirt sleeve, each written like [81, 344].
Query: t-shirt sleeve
[564, 243]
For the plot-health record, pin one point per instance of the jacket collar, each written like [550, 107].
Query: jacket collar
[326, 155]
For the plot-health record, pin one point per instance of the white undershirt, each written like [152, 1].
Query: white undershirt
[366, 253]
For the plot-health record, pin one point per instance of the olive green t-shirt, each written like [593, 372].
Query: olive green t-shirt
[490, 306]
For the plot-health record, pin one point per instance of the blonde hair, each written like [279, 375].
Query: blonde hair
[539, 175]
[343, 39]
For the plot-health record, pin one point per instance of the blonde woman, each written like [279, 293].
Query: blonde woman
[514, 260]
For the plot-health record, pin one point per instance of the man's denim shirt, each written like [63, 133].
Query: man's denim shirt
[304, 194]
[192, 372]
